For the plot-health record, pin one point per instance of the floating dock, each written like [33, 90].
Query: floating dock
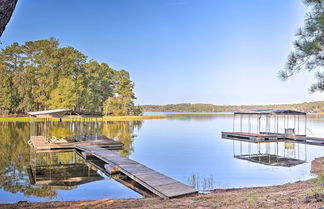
[155, 182]
[250, 137]
[41, 143]
[272, 137]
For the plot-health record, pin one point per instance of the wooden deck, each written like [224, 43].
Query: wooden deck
[272, 137]
[250, 137]
[41, 143]
[159, 184]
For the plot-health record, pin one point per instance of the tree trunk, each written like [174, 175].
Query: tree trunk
[6, 9]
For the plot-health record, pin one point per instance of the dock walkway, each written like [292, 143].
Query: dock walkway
[159, 184]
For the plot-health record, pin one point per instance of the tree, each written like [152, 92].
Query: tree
[65, 95]
[122, 103]
[309, 46]
[39, 75]
[6, 91]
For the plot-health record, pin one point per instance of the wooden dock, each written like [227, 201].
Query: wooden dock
[119, 177]
[159, 184]
[251, 137]
[41, 143]
[272, 137]
[153, 181]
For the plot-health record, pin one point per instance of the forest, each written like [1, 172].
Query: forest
[40, 75]
[311, 107]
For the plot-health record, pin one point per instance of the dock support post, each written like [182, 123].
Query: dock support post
[268, 123]
[241, 118]
[305, 124]
[234, 123]
[298, 124]
[274, 124]
[249, 130]
[294, 123]
[277, 124]
[259, 124]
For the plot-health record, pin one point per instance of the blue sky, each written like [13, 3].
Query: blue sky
[199, 51]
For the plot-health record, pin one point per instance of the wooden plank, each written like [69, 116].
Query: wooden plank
[111, 169]
[157, 180]
[175, 189]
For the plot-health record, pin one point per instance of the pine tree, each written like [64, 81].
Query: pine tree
[40, 75]
[309, 46]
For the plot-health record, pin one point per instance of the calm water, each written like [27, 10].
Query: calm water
[186, 147]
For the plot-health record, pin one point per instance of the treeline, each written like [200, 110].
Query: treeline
[40, 75]
[314, 107]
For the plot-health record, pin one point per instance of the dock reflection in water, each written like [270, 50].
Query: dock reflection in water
[64, 170]
[285, 154]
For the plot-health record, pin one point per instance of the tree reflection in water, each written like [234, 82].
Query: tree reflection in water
[15, 155]
[14, 159]
[124, 132]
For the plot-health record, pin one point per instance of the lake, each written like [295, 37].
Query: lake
[186, 146]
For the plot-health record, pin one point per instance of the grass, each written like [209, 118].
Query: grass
[252, 197]
[320, 180]
[130, 118]
[18, 119]
[105, 118]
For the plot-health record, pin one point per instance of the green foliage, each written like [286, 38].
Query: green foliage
[309, 46]
[314, 107]
[41, 75]
[122, 101]
[64, 95]
[121, 105]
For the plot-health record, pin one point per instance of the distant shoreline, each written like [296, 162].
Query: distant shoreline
[309, 107]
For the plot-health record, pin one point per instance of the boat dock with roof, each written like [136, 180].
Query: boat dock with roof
[271, 126]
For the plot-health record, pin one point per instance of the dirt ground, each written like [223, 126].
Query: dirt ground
[303, 194]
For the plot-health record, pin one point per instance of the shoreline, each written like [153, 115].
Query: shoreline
[69, 119]
[300, 194]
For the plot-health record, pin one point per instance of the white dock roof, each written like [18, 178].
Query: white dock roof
[46, 112]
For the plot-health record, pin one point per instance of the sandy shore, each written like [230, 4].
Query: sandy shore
[302, 194]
